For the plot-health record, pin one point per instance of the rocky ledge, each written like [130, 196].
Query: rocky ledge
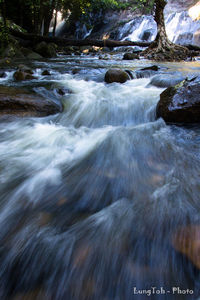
[20, 102]
[181, 103]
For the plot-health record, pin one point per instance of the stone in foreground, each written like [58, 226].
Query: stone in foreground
[181, 103]
[116, 75]
[19, 102]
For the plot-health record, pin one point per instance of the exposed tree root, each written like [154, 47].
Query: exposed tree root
[166, 50]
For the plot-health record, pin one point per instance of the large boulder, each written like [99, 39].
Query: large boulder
[46, 50]
[116, 75]
[181, 103]
[30, 54]
[20, 102]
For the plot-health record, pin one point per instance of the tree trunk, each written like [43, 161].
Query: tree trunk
[48, 14]
[69, 42]
[3, 9]
[162, 48]
[55, 23]
[161, 38]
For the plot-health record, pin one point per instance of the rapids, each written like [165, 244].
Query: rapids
[90, 198]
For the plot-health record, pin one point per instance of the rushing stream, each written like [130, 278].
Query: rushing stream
[90, 198]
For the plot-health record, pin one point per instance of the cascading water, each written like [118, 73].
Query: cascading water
[91, 198]
[81, 31]
[179, 26]
[135, 29]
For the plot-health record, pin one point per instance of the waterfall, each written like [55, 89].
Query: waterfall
[180, 29]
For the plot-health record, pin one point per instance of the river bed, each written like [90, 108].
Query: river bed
[91, 197]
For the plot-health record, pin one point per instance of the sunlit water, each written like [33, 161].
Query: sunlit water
[90, 198]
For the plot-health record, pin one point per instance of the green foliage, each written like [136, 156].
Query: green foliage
[144, 6]
[33, 15]
[4, 37]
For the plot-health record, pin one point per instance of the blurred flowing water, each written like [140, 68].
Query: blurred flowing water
[90, 198]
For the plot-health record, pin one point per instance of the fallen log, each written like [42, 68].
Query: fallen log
[192, 47]
[70, 42]
[34, 39]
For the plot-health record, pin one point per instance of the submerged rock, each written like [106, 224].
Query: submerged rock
[19, 102]
[166, 80]
[187, 241]
[181, 103]
[116, 75]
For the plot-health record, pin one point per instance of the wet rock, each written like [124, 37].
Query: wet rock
[46, 73]
[46, 50]
[146, 72]
[152, 68]
[116, 75]
[130, 56]
[21, 75]
[2, 74]
[166, 80]
[187, 241]
[19, 102]
[76, 71]
[181, 103]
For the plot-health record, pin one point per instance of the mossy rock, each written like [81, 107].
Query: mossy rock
[46, 50]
